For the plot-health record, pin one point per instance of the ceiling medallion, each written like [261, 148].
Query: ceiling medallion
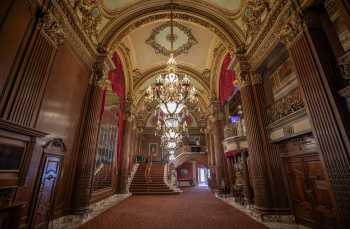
[161, 38]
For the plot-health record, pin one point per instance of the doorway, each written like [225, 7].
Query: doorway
[203, 177]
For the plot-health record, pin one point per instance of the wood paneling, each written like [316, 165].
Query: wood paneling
[315, 66]
[309, 189]
[16, 24]
[63, 102]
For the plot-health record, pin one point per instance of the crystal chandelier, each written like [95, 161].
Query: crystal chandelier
[172, 92]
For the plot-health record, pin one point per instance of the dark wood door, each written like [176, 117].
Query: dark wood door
[309, 189]
[45, 198]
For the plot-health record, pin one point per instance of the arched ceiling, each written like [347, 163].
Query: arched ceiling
[144, 56]
[139, 31]
[229, 5]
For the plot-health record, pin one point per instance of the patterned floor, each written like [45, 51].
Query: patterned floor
[196, 208]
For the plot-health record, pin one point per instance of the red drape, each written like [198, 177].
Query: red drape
[116, 77]
[226, 87]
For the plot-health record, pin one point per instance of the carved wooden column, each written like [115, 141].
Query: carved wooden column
[273, 160]
[258, 167]
[87, 152]
[33, 73]
[216, 118]
[315, 66]
[124, 165]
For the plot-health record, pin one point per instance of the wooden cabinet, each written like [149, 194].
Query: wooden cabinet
[309, 189]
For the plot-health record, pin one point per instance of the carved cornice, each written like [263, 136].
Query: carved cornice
[293, 27]
[269, 34]
[52, 28]
[80, 43]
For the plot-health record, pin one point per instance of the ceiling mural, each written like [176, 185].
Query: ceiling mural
[161, 38]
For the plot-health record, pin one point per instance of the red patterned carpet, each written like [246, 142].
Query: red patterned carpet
[196, 208]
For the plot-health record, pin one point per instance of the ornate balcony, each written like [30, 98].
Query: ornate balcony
[285, 106]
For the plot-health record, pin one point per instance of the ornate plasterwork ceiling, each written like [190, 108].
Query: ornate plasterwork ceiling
[144, 57]
[228, 5]
[161, 38]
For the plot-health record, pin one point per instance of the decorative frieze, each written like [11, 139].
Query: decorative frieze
[293, 27]
[285, 106]
[80, 43]
[253, 14]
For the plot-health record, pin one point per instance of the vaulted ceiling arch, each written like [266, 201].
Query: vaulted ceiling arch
[146, 12]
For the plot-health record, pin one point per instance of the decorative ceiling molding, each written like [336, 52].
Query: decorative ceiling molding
[117, 28]
[80, 43]
[234, 13]
[218, 57]
[184, 47]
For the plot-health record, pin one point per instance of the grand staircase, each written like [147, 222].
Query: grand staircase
[154, 185]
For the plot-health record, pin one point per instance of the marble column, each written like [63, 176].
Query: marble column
[258, 167]
[87, 151]
[273, 159]
[318, 78]
[194, 168]
[125, 157]
[216, 118]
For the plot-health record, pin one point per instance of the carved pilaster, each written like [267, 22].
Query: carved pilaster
[315, 65]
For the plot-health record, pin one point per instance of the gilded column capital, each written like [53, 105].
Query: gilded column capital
[215, 112]
[293, 27]
[52, 28]
[242, 69]
[98, 68]
[256, 78]
[130, 109]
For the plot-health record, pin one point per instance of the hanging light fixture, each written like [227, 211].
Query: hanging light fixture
[171, 92]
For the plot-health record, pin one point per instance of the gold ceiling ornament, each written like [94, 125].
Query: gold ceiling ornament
[183, 48]
[171, 92]
[52, 28]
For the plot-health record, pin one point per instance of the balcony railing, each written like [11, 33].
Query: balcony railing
[285, 106]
